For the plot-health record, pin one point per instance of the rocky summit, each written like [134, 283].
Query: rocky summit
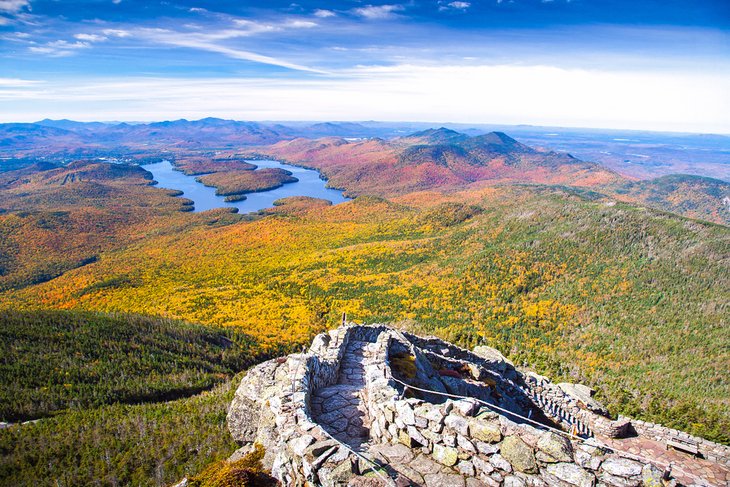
[372, 405]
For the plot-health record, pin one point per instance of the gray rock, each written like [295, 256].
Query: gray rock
[466, 467]
[425, 465]
[405, 413]
[616, 481]
[651, 476]
[467, 407]
[587, 460]
[482, 466]
[243, 419]
[444, 480]
[518, 454]
[457, 423]
[498, 461]
[487, 448]
[431, 413]
[571, 474]
[299, 445]
[497, 361]
[465, 444]
[472, 482]
[584, 395]
[557, 447]
[486, 431]
[622, 467]
[336, 476]
[512, 481]
[445, 455]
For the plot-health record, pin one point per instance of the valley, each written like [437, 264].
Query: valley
[566, 266]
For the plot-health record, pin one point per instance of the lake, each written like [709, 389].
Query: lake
[309, 184]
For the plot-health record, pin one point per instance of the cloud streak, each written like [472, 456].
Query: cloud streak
[379, 12]
[13, 6]
[541, 95]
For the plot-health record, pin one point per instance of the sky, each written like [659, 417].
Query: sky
[659, 65]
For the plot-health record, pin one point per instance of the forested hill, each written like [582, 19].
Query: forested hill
[54, 361]
[446, 160]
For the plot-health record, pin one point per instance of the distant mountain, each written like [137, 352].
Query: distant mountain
[434, 137]
[338, 129]
[446, 160]
[70, 124]
[436, 159]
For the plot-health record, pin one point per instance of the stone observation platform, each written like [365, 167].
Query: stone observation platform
[371, 405]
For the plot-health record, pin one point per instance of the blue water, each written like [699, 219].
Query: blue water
[309, 184]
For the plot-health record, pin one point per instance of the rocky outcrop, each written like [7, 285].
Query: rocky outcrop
[370, 405]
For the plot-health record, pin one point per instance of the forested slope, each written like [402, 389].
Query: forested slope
[624, 298]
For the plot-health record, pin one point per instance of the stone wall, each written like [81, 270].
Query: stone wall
[272, 407]
[713, 452]
[484, 445]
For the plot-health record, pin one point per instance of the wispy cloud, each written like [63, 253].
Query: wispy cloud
[378, 12]
[17, 82]
[90, 37]
[323, 14]
[59, 48]
[213, 41]
[460, 5]
[116, 32]
[476, 94]
[13, 6]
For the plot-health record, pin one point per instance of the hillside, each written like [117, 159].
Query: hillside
[57, 218]
[445, 160]
[58, 360]
[552, 278]
[123, 385]
[693, 196]
[439, 159]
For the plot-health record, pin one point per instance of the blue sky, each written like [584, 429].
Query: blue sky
[657, 65]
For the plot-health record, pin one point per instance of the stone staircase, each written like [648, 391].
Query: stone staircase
[340, 408]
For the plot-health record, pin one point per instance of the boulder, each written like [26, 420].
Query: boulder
[651, 476]
[512, 481]
[498, 461]
[572, 474]
[519, 454]
[457, 423]
[556, 447]
[466, 467]
[622, 467]
[486, 431]
[445, 455]
[243, 419]
[496, 360]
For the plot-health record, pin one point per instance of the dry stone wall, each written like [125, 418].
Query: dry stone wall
[712, 451]
[467, 441]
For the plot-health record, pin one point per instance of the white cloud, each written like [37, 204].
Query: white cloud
[13, 6]
[378, 12]
[323, 14]
[197, 10]
[116, 33]
[215, 41]
[460, 5]
[90, 37]
[207, 42]
[301, 24]
[17, 82]
[539, 95]
[59, 48]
